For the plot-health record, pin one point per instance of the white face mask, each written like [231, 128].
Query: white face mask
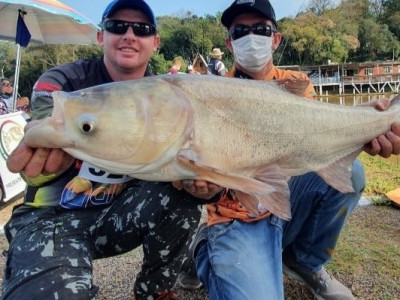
[252, 51]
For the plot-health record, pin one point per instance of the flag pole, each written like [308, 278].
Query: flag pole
[22, 39]
[16, 78]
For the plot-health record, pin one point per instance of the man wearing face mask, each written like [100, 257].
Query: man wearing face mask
[241, 257]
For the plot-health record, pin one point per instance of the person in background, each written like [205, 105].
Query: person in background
[215, 65]
[238, 256]
[6, 99]
[73, 212]
[175, 67]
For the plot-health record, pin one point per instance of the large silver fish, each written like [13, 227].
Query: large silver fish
[246, 135]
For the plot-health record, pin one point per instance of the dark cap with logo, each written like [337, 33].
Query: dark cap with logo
[239, 7]
[132, 4]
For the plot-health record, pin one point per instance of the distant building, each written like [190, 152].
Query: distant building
[378, 77]
[200, 65]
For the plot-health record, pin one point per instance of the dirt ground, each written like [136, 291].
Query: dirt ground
[367, 260]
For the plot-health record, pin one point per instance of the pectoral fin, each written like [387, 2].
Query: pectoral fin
[338, 175]
[227, 180]
[278, 201]
[268, 190]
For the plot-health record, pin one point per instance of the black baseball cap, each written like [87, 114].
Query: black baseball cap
[133, 4]
[239, 7]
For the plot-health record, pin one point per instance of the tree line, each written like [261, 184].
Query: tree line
[351, 31]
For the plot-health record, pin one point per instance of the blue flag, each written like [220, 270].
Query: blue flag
[23, 35]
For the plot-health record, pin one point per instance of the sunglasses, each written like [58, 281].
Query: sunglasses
[242, 30]
[6, 84]
[121, 27]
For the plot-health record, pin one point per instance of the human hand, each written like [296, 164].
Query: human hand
[294, 85]
[198, 188]
[34, 162]
[385, 144]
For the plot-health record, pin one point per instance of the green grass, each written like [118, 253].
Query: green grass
[367, 257]
[382, 175]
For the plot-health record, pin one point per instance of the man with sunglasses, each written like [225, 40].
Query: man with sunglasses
[6, 99]
[239, 256]
[73, 212]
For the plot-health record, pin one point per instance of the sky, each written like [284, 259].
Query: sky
[93, 9]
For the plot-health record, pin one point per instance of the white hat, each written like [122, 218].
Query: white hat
[216, 52]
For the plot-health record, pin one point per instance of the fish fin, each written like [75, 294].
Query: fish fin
[294, 85]
[338, 174]
[267, 191]
[227, 180]
[277, 202]
[250, 202]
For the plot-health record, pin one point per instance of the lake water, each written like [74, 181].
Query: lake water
[359, 99]
[353, 99]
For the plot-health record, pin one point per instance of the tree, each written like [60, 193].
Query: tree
[377, 41]
[391, 16]
[7, 59]
[158, 64]
[318, 7]
[312, 39]
[190, 35]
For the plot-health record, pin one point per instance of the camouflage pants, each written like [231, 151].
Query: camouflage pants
[51, 250]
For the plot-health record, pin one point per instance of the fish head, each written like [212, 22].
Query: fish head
[134, 122]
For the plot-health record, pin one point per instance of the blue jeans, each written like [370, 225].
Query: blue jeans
[244, 260]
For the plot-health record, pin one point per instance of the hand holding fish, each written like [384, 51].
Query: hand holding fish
[36, 161]
[198, 188]
[385, 144]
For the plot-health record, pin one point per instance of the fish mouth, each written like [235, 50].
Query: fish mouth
[48, 134]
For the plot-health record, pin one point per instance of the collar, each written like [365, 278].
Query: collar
[271, 75]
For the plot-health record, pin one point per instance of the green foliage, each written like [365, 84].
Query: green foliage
[391, 16]
[355, 30]
[382, 175]
[377, 41]
[158, 64]
[37, 59]
[380, 200]
[7, 59]
[189, 36]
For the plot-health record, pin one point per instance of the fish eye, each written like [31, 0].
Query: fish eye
[87, 127]
[86, 123]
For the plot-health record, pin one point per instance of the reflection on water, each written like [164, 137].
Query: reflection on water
[359, 99]
[354, 99]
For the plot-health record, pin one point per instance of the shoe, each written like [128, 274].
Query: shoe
[187, 278]
[321, 284]
[189, 281]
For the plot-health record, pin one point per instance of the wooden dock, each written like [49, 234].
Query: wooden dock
[353, 78]
[372, 84]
